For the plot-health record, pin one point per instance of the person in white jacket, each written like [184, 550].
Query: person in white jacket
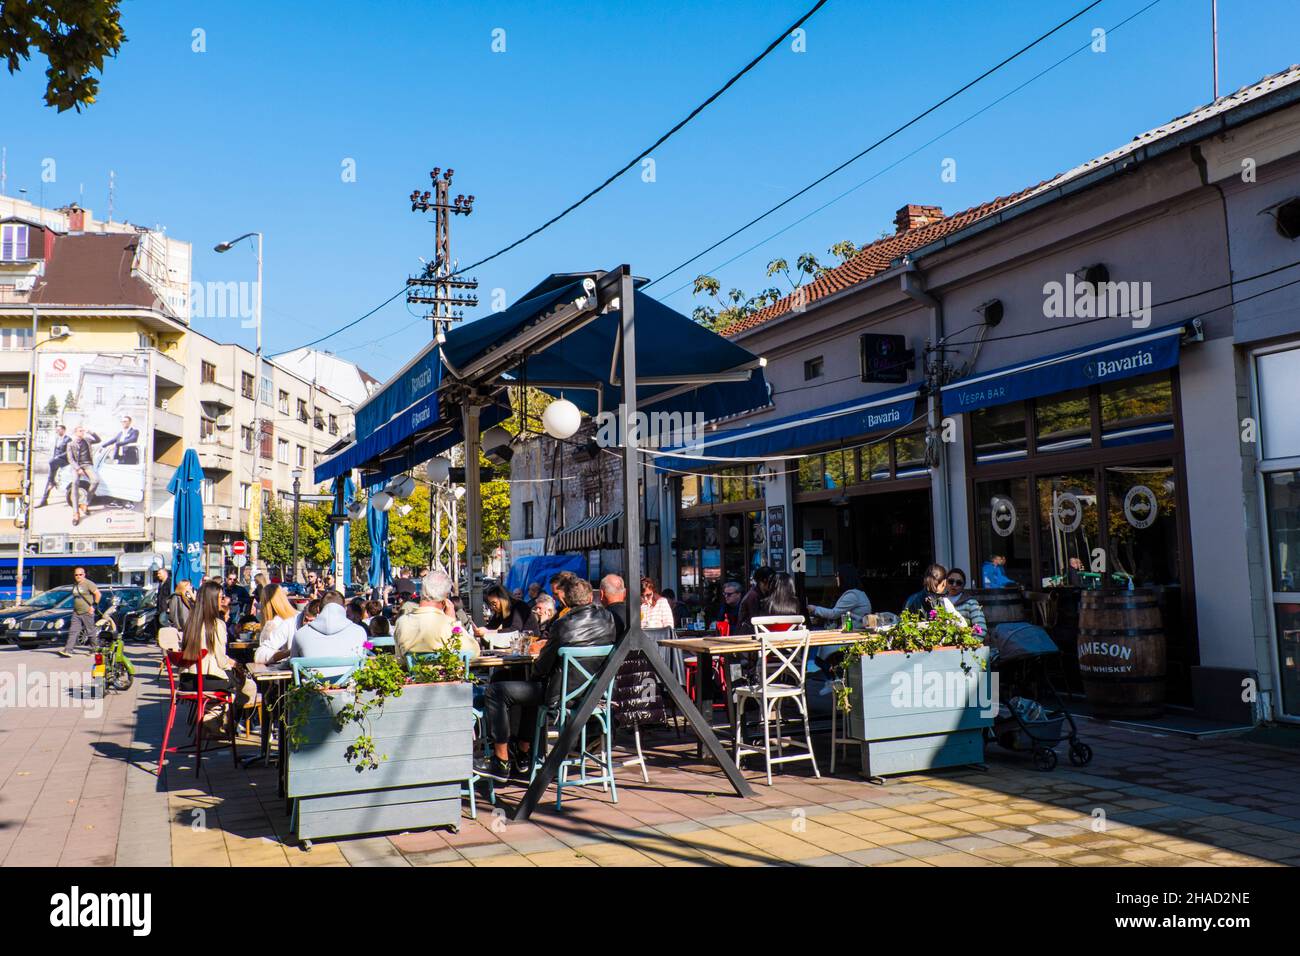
[279, 621]
[853, 600]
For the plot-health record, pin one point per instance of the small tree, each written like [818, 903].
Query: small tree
[74, 35]
[735, 305]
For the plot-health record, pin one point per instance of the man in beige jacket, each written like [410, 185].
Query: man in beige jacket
[430, 625]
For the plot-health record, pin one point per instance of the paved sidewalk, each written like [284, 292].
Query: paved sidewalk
[81, 790]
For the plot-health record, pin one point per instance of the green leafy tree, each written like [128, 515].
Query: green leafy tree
[276, 546]
[75, 37]
[52, 406]
[726, 310]
[70, 402]
[314, 531]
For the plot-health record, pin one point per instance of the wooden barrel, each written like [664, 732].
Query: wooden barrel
[1122, 652]
[1000, 604]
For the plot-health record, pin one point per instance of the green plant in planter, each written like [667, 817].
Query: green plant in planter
[915, 631]
[368, 688]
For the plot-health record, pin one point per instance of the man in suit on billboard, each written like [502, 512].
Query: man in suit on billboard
[58, 458]
[126, 450]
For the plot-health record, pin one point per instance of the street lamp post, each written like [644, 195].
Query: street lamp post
[26, 496]
[257, 371]
[297, 499]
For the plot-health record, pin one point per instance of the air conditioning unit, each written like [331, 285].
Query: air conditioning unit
[54, 544]
[225, 421]
[82, 545]
[24, 283]
[59, 331]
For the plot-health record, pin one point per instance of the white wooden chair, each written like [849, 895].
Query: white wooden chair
[782, 676]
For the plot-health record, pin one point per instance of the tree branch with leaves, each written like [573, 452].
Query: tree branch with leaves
[726, 310]
[75, 37]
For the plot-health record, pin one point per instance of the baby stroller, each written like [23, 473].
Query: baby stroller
[1033, 717]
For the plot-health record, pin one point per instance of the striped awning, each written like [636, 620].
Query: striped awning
[597, 531]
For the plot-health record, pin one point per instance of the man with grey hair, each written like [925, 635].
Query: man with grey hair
[613, 595]
[540, 617]
[432, 623]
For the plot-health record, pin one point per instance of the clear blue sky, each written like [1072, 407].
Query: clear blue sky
[251, 134]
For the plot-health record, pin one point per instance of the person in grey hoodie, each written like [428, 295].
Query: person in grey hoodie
[331, 634]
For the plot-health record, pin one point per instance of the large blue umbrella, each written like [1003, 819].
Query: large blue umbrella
[381, 571]
[187, 520]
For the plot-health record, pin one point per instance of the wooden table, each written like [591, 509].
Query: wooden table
[270, 681]
[706, 648]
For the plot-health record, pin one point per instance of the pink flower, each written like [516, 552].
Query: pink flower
[979, 630]
[368, 646]
[933, 615]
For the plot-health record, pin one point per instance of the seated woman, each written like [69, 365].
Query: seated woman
[932, 595]
[205, 630]
[853, 600]
[782, 600]
[966, 605]
[507, 614]
[379, 626]
[279, 621]
[655, 609]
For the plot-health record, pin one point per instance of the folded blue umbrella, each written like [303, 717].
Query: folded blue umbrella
[186, 488]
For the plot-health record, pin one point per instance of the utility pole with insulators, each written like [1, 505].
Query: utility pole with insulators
[452, 295]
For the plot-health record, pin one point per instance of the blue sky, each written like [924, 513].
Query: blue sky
[252, 133]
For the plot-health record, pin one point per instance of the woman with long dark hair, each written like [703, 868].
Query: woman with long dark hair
[782, 600]
[206, 631]
[852, 600]
[932, 596]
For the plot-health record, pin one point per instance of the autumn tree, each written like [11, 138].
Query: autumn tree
[74, 36]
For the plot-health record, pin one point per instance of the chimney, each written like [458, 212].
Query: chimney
[76, 218]
[913, 216]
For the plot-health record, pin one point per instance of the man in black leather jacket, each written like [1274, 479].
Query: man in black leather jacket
[585, 624]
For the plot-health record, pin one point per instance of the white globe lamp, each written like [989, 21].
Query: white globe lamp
[561, 419]
[382, 501]
[438, 470]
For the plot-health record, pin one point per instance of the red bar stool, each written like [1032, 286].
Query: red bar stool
[199, 699]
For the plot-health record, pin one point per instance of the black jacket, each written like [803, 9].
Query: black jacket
[587, 626]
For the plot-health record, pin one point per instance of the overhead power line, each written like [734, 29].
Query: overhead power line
[884, 139]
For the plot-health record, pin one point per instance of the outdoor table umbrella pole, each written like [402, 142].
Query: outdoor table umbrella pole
[635, 638]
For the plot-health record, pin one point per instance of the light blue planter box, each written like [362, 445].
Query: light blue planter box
[427, 735]
[920, 711]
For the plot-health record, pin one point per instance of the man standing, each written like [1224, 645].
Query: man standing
[238, 595]
[125, 444]
[85, 602]
[613, 596]
[82, 459]
[164, 600]
[58, 458]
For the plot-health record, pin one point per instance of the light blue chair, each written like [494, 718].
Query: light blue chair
[576, 660]
[343, 666]
[471, 784]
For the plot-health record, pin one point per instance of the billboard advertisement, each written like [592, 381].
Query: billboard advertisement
[91, 452]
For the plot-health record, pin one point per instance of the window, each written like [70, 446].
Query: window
[11, 450]
[209, 491]
[207, 372]
[207, 429]
[10, 506]
[300, 456]
[528, 519]
[1139, 409]
[246, 437]
[690, 496]
[245, 495]
[4, 398]
[246, 384]
[1063, 422]
[1002, 530]
[143, 340]
[266, 441]
[283, 404]
[593, 504]
[813, 368]
[334, 424]
[15, 339]
[265, 391]
[282, 451]
[999, 432]
[909, 455]
[302, 410]
[13, 242]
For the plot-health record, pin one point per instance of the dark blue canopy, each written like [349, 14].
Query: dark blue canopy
[187, 519]
[679, 367]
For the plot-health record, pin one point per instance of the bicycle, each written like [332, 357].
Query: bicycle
[111, 664]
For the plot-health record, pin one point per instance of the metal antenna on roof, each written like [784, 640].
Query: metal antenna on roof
[1214, 43]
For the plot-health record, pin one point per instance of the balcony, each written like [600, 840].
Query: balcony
[168, 370]
[169, 423]
[215, 393]
[214, 456]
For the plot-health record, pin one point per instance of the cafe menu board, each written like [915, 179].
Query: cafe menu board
[776, 537]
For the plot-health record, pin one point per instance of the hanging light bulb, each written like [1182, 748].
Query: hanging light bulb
[561, 419]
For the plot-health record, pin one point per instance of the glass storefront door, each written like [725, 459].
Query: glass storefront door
[1069, 526]
[1282, 504]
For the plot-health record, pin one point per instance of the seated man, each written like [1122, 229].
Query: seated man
[330, 634]
[541, 616]
[585, 625]
[613, 597]
[428, 626]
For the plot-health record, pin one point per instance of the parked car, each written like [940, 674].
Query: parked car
[12, 617]
[47, 627]
[139, 624]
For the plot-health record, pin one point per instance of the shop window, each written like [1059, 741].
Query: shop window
[1288, 645]
[875, 461]
[1069, 528]
[1137, 409]
[690, 495]
[811, 474]
[1063, 422]
[999, 433]
[1002, 530]
[1142, 525]
[1282, 500]
[909, 455]
[841, 468]
[1279, 424]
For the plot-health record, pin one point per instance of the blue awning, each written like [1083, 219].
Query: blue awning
[417, 380]
[59, 561]
[681, 367]
[1109, 361]
[857, 417]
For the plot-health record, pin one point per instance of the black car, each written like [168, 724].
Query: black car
[12, 617]
[140, 623]
[47, 627]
